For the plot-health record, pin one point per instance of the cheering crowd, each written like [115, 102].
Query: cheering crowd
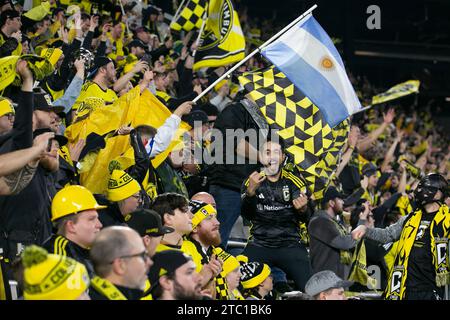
[103, 195]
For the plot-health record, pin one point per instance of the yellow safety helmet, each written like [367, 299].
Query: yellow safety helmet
[73, 199]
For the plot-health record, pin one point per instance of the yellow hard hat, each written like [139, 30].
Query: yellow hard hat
[73, 199]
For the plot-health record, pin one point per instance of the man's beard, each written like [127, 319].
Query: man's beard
[182, 294]
[211, 239]
[272, 170]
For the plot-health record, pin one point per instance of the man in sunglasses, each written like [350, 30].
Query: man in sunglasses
[121, 263]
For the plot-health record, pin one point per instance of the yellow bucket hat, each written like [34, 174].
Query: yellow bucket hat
[200, 211]
[52, 277]
[121, 186]
[6, 107]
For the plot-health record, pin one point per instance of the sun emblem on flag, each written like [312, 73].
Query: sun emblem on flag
[326, 63]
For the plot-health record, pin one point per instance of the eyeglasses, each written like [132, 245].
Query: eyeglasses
[143, 255]
[10, 116]
[137, 196]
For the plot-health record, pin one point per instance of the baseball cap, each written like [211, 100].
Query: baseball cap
[61, 139]
[142, 29]
[147, 222]
[331, 194]
[43, 102]
[369, 169]
[136, 43]
[99, 62]
[196, 115]
[324, 280]
[353, 198]
[166, 262]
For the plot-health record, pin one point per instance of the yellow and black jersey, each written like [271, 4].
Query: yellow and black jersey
[200, 258]
[92, 89]
[60, 245]
[275, 221]
[164, 247]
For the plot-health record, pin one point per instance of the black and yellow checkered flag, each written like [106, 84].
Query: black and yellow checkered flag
[311, 141]
[222, 291]
[190, 17]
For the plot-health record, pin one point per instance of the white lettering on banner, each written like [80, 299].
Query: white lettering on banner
[396, 280]
[441, 252]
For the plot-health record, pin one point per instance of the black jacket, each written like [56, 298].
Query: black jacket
[25, 217]
[58, 244]
[231, 176]
[110, 216]
[275, 221]
[21, 136]
[326, 242]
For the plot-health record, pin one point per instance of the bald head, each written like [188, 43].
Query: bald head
[111, 243]
[204, 197]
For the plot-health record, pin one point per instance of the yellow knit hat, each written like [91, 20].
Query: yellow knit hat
[220, 84]
[6, 107]
[121, 186]
[253, 274]
[230, 262]
[52, 277]
[200, 211]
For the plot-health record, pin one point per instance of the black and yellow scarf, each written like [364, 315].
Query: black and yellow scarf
[107, 289]
[439, 233]
[345, 255]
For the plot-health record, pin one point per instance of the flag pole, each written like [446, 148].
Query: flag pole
[175, 16]
[265, 44]
[363, 109]
[199, 34]
[123, 15]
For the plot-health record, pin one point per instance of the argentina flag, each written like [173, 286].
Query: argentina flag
[307, 56]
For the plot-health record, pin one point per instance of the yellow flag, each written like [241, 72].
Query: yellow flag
[7, 70]
[358, 270]
[154, 113]
[222, 40]
[134, 109]
[400, 90]
[190, 17]
[39, 12]
[96, 179]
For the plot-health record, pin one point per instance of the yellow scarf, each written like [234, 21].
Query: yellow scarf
[345, 256]
[107, 289]
[439, 233]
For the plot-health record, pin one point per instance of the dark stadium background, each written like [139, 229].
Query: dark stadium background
[413, 43]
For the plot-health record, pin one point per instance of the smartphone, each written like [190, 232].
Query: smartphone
[49, 145]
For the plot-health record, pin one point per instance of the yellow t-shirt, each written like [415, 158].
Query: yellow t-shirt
[92, 89]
